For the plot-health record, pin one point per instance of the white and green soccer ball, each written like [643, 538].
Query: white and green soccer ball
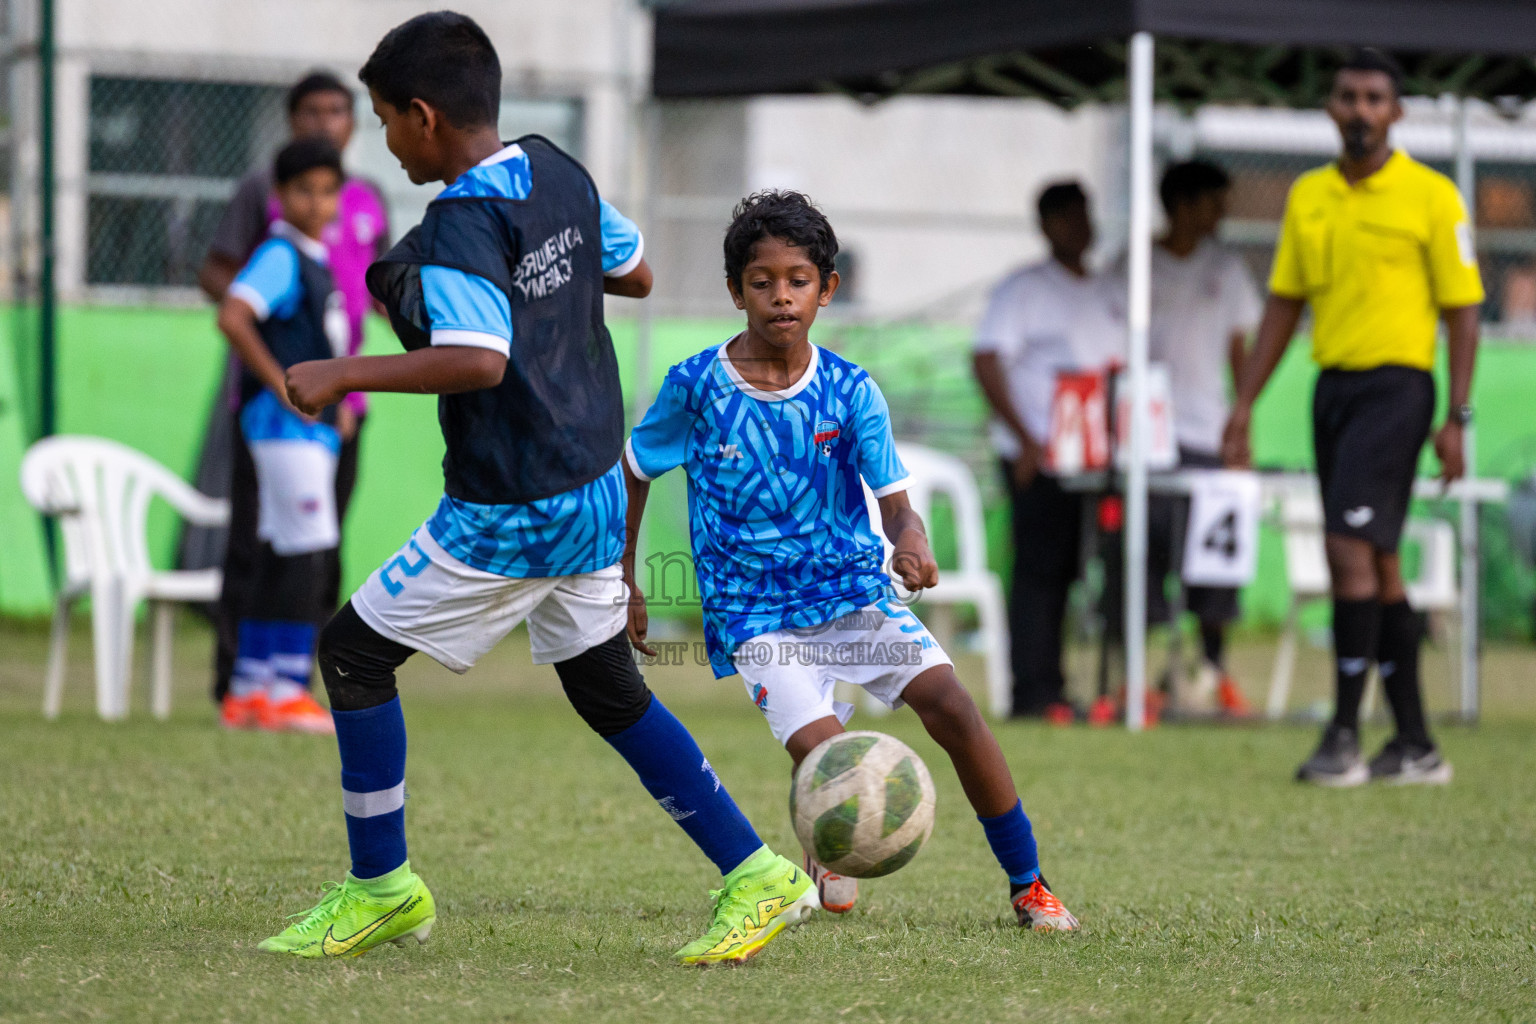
[862, 804]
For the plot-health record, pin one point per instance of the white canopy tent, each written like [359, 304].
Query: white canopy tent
[1185, 51]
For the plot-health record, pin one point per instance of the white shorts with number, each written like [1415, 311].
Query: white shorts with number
[428, 600]
[790, 673]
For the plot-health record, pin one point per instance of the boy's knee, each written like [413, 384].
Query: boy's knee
[605, 687]
[357, 663]
[938, 698]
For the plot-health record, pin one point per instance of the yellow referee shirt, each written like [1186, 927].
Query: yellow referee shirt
[1377, 262]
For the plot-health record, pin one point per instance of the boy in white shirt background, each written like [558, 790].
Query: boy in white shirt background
[1053, 316]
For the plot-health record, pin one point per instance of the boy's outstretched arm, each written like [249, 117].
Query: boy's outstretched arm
[912, 559]
[639, 620]
[438, 370]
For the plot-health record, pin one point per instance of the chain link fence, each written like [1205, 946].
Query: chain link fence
[163, 159]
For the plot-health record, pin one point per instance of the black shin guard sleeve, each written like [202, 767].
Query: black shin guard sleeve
[357, 664]
[605, 687]
[1355, 625]
[1397, 658]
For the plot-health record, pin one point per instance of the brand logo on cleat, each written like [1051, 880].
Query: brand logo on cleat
[332, 946]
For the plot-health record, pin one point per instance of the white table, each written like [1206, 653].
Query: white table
[1469, 493]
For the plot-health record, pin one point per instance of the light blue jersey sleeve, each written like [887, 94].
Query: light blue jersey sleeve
[466, 309]
[879, 464]
[623, 246]
[659, 441]
[269, 281]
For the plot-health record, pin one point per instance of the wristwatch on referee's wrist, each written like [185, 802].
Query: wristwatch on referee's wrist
[1460, 414]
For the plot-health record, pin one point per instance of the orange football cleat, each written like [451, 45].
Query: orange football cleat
[1229, 697]
[836, 892]
[244, 711]
[1059, 713]
[1039, 909]
[299, 713]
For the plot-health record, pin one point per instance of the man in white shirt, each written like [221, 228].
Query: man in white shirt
[1043, 319]
[1204, 306]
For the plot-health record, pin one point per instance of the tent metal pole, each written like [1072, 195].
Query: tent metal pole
[649, 127]
[1138, 316]
[47, 299]
[645, 322]
[1471, 594]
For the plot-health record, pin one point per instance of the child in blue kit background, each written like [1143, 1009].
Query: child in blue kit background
[282, 309]
[498, 298]
[776, 435]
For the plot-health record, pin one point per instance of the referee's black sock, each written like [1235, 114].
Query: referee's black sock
[1397, 655]
[1355, 626]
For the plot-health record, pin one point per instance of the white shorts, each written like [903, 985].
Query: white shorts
[428, 600]
[790, 673]
[295, 495]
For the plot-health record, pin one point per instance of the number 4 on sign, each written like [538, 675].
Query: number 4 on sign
[1222, 543]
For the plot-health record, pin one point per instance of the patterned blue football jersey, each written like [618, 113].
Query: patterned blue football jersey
[781, 535]
[581, 530]
[578, 531]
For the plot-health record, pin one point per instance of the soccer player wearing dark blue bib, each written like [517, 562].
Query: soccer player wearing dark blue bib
[775, 435]
[282, 309]
[497, 297]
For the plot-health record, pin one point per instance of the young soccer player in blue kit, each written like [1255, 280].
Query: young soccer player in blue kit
[775, 435]
[498, 299]
[281, 309]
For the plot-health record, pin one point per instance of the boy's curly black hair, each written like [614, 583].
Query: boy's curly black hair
[778, 213]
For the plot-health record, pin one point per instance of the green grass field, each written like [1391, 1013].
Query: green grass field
[140, 863]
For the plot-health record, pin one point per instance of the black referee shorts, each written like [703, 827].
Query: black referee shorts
[1368, 428]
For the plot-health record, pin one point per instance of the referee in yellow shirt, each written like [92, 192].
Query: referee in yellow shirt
[1380, 248]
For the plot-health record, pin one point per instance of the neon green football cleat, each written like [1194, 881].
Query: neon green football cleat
[763, 897]
[354, 916]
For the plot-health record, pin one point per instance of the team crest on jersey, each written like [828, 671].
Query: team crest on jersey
[826, 432]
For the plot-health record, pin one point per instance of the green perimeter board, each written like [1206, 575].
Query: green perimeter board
[146, 377]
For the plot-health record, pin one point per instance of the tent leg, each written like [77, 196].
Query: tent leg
[1471, 698]
[649, 137]
[1139, 302]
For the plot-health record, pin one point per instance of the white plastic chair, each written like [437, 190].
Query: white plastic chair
[970, 581]
[100, 492]
[1300, 518]
[1436, 587]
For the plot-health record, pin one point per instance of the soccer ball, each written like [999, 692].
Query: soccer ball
[862, 804]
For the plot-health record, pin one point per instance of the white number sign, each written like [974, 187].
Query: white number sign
[1221, 546]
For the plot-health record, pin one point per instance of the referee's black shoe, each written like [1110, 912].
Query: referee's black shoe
[1404, 763]
[1336, 762]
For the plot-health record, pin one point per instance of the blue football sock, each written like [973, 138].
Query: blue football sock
[253, 656]
[1013, 844]
[674, 770]
[293, 652]
[372, 743]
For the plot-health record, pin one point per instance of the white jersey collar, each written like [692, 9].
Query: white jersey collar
[310, 247]
[501, 155]
[768, 396]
